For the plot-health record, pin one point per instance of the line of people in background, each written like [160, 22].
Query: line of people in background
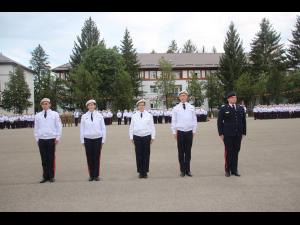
[159, 115]
[16, 121]
[280, 111]
[68, 118]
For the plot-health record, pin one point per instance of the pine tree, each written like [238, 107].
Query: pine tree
[189, 47]
[214, 50]
[153, 51]
[203, 49]
[90, 36]
[131, 62]
[173, 47]
[40, 65]
[233, 61]
[294, 49]
[15, 96]
[166, 82]
[267, 57]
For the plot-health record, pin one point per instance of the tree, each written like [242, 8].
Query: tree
[51, 87]
[294, 49]
[214, 91]
[98, 76]
[292, 87]
[15, 96]
[233, 61]
[214, 50]
[195, 88]
[122, 98]
[173, 47]
[267, 57]
[189, 47]
[131, 63]
[203, 49]
[245, 89]
[90, 36]
[166, 82]
[153, 51]
[85, 85]
[40, 65]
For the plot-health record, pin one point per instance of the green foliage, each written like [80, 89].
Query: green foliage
[245, 88]
[195, 87]
[90, 36]
[166, 82]
[131, 63]
[173, 48]
[294, 49]
[233, 61]
[292, 87]
[100, 75]
[268, 60]
[189, 47]
[15, 96]
[214, 91]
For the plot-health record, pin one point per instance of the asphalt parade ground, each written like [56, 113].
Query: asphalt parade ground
[269, 164]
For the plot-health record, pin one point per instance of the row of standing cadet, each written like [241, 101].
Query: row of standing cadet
[280, 111]
[16, 121]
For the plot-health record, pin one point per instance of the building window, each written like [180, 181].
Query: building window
[153, 89]
[190, 72]
[202, 73]
[153, 75]
[146, 74]
[142, 74]
[184, 74]
[207, 73]
[177, 89]
[177, 74]
[197, 72]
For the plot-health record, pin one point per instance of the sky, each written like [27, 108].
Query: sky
[21, 32]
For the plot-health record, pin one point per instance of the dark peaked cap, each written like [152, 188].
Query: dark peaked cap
[230, 94]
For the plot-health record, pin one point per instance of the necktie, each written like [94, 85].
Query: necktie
[183, 106]
[141, 115]
[45, 114]
[92, 116]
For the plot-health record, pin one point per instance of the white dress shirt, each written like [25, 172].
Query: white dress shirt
[49, 127]
[92, 129]
[141, 126]
[184, 120]
[119, 115]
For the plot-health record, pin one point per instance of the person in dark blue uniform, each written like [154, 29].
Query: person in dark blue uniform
[232, 128]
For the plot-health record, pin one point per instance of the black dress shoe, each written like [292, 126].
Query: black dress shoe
[145, 175]
[182, 174]
[44, 180]
[51, 180]
[91, 178]
[189, 174]
[227, 174]
[141, 175]
[236, 174]
[96, 179]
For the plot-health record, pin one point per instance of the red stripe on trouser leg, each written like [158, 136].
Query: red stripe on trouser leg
[226, 163]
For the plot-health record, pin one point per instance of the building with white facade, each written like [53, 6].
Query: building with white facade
[8, 65]
[183, 66]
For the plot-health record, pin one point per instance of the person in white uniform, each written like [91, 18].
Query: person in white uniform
[142, 135]
[92, 136]
[184, 125]
[119, 116]
[47, 133]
